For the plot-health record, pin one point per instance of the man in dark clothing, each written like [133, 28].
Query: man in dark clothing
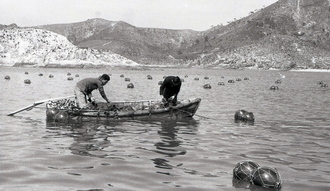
[84, 88]
[170, 87]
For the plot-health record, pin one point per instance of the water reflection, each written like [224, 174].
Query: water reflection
[89, 138]
[247, 185]
[99, 138]
[241, 123]
[170, 144]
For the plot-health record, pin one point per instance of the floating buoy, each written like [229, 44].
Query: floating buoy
[238, 79]
[130, 85]
[40, 74]
[7, 77]
[149, 77]
[186, 76]
[231, 81]
[127, 79]
[160, 82]
[77, 75]
[69, 74]
[51, 76]
[267, 177]
[320, 82]
[244, 170]
[196, 79]
[273, 88]
[207, 86]
[50, 114]
[122, 75]
[70, 78]
[278, 81]
[246, 78]
[26, 72]
[222, 77]
[206, 78]
[221, 84]
[242, 115]
[61, 116]
[27, 81]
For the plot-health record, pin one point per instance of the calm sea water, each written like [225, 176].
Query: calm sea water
[291, 133]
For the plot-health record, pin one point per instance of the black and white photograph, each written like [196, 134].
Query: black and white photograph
[162, 95]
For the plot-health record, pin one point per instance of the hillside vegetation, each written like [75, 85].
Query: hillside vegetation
[289, 34]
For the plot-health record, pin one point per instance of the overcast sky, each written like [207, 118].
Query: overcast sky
[198, 15]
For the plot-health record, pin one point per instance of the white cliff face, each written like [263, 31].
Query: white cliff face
[39, 47]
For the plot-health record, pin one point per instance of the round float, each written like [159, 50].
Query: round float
[244, 170]
[266, 177]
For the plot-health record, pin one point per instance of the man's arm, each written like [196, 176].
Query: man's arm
[103, 94]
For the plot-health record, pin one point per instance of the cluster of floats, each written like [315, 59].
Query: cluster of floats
[249, 174]
[149, 77]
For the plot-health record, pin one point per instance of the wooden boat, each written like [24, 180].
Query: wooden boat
[65, 109]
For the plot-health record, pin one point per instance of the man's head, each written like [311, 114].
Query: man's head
[176, 81]
[105, 78]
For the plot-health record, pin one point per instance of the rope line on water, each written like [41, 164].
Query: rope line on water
[190, 113]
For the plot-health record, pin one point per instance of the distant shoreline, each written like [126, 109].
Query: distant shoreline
[159, 66]
[311, 70]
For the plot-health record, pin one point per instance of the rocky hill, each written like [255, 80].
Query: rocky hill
[37, 47]
[143, 45]
[285, 35]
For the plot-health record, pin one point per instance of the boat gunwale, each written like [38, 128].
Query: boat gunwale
[189, 108]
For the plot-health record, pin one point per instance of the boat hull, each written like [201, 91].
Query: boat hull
[124, 111]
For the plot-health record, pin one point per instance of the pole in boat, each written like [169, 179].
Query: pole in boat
[29, 107]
